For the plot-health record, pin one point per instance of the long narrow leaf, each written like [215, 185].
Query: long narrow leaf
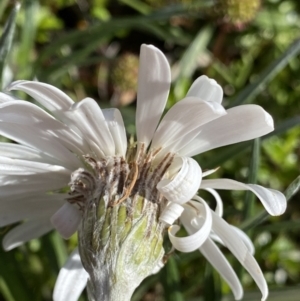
[267, 75]
[7, 37]
[14, 280]
[171, 281]
[252, 178]
[3, 4]
[187, 63]
[113, 25]
[212, 285]
[28, 32]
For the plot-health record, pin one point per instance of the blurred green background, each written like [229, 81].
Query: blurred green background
[91, 48]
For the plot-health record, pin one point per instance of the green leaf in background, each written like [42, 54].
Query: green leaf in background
[7, 37]
[171, 281]
[5, 290]
[3, 4]
[286, 294]
[187, 64]
[247, 94]
[65, 42]
[28, 31]
[212, 285]
[13, 279]
[144, 287]
[252, 178]
[139, 6]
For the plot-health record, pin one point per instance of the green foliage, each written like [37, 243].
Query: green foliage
[73, 44]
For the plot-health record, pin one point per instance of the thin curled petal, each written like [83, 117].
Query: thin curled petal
[241, 123]
[71, 280]
[184, 185]
[25, 232]
[116, 127]
[212, 253]
[273, 200]
[66, 220]
[171, 213]
[219, 206]
[154, 79]
[236, 245]
[209, 172]
[197, 222]
[206, 89]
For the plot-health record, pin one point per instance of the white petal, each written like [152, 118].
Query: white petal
[241, 123]
[26, 113]
[66, 220]
[247, 241]
[184, 185]
[197, 222]
[6, 97]
[25, 232]
[212, 253]
[17, 151]
[71, 280]
[273, 200]
[10, 166]
[89, 120]
[171, 213]
[35, 137]
[42, 182]
[206, 89]
[219, 202]
[182, 119]
[154, 79]
[49, 96]
[116, 126]
[236, 245]
[28, 207]
[209, 172]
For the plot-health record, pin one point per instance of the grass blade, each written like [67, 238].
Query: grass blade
[3, 4]
[171, 281]
[252, 178]
[247, 94]
[13, 278]
[28, 32]
[7, 37]
[187, 63]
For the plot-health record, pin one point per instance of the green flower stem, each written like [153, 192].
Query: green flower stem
[119, 247]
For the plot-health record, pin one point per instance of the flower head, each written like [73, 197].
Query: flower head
[72, 170]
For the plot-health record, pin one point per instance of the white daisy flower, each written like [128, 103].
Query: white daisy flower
[72, 170]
